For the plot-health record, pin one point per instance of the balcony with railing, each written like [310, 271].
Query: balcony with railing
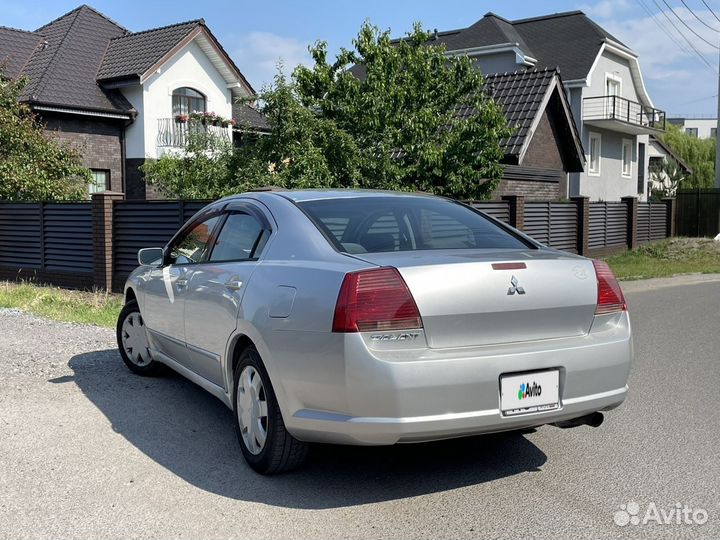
[620, 114]
[174, 134]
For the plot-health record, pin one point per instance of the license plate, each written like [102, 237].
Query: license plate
[530, 392]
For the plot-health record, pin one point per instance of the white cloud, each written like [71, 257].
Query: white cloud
[258, 53]
[676, 79]
[605, 8]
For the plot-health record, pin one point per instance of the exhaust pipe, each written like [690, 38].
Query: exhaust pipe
[593, 420]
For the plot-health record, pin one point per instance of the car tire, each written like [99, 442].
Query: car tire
[265, 443]
[132, 341]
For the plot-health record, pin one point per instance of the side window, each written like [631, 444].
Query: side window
[192, 247]
[240, 239]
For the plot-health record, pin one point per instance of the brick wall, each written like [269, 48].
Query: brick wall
[98, 140]
[532, 190]
[544, 147]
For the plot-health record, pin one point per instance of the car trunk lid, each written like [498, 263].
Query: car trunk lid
[485, 297]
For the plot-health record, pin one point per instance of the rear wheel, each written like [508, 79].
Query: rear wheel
[267, 446]
[133, 341]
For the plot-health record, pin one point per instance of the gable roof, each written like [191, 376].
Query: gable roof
[132, 54]
[69, 61]
[524, 96]
[665, 148]
[16, 48]
[569, 41]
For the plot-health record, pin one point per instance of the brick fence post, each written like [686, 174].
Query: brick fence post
[632, 208]
[516, 205]
[583, 224]
[670, 216]
[102, 223]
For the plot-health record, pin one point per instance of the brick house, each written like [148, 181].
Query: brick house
[115, 95]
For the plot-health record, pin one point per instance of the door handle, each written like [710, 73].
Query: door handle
[233, 284]
[181, 282]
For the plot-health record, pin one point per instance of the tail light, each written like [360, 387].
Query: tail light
[610, 297]
[375, 299]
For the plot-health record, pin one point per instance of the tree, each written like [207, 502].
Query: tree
[391, 122]
[33, 166]
[699, 154]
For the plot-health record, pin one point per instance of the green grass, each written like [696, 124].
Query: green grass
[668, 258]
[99, 308]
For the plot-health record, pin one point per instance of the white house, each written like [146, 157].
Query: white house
[121, 97]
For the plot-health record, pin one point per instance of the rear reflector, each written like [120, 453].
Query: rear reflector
[375, 299]
[610, 297]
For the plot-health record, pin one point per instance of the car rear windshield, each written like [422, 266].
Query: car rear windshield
[380, 224]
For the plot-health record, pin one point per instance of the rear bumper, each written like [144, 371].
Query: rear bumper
[412, 396]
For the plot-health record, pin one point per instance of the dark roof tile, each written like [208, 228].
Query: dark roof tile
[63, 72]
[131, 55]
[16, 48]
[247, 116]
[568, 41]
[520, 95]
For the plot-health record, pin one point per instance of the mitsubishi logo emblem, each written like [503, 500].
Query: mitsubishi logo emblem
[514, 287]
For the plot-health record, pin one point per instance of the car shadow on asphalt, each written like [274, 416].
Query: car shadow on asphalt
[191, 433]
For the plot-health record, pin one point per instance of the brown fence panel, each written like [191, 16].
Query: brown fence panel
[658, 221]
[498, 209]
[643, 223]
[552, 223]
[141, 224]
[68, 237]
[20, 235]
[608, 225]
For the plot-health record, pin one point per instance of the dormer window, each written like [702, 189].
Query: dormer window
[187, 100]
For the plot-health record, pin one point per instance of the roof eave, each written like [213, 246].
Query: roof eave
[520, 56]
[84, 111]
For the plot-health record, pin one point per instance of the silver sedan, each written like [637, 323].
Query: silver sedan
[375, 318]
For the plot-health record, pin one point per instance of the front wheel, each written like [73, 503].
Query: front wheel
[267, 446]
[133, 341]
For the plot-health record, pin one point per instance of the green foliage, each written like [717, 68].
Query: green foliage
[395, 127]
[33, 166]
[699, 154]
[202, 171]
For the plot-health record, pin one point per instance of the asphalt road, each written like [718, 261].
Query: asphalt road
[88, 450]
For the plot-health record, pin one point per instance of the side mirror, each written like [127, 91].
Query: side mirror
[151, 256]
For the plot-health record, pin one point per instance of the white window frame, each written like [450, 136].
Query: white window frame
[626, 143]
[592, 135]
[609, 102]
[93, 186]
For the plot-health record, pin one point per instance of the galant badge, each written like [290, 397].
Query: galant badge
[514, 287]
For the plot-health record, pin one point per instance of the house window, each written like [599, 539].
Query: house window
[594, 157]
[186, 100]
[713, 132]
[693, 132]
[627, 158]
[100, 181]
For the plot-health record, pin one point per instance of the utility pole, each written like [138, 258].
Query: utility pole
[717, 135]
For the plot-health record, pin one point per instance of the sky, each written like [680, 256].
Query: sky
[258, 34]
